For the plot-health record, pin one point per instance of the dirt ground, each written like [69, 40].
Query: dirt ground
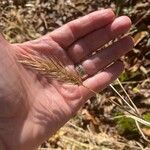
[94, 127]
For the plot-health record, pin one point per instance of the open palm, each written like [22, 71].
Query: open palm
[31, 109]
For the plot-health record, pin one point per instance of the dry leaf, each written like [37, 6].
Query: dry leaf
[139, 37]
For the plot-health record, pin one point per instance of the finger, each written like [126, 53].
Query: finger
[83, 47]
[73, 30]
[101, 80]
[102, 59]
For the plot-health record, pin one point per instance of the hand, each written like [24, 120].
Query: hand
[31, 109]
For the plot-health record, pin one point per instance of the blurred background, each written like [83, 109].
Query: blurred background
[95, 126]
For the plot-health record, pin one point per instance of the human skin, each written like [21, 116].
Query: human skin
[31, 109]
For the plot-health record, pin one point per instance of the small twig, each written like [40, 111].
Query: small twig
[134, 106]
[141, 132]
[122, 98]
[135, 24]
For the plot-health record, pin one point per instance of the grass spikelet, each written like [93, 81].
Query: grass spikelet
[51, 68]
